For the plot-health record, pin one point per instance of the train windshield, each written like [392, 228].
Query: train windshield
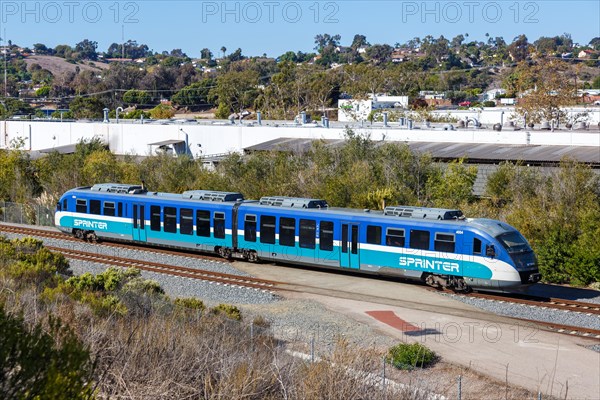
[514, 242]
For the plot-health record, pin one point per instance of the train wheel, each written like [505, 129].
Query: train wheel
[224, 252]
[252, 256]
[78, 234]
[91, 237]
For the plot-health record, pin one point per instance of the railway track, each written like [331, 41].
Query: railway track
[244, 281]
[61, 236]
[185, 272]
[546, 302]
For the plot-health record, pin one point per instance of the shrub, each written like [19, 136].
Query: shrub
[143, 286]
[228, 310]
[409, 356]
[103, 305]
[27, 245]
[64, 373]
[261, 321]
[162, 111]
[192, 303]
[489, 103]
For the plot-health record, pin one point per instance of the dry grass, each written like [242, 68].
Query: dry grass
[59, 66]
[159, 350]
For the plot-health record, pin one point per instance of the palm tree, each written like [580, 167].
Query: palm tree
[223, 49]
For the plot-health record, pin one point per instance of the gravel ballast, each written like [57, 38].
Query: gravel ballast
[563, 317]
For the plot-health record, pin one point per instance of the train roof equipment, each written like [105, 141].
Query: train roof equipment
[209, 195]
[292, 202]
[118, 188]
[424, 213]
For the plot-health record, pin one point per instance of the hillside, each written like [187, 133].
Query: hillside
[58, 65]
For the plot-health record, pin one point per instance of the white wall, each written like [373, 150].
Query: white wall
[492, 115]
[224, 138]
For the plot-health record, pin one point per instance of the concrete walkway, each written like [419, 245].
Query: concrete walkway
[554, 364]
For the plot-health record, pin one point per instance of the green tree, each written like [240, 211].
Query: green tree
[86, 49]
[87, 107]
[195, 94]
[137, 97]
[236, 90]
[519, 49]
[44, 91]
[453, 185]
[206, 54]
[546, 89]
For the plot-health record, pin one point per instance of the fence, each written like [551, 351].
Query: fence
[30, 214]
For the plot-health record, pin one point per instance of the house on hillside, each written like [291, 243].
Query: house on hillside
[587, 53]
[359, 110]
[490, 95]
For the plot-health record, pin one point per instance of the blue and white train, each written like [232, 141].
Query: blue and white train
[437, 246]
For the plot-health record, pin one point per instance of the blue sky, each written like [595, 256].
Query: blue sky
[274, 26]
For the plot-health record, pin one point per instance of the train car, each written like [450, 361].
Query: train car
[437, 246]
[197, 219]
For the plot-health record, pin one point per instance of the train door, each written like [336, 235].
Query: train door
[139, 222]
[349, 256]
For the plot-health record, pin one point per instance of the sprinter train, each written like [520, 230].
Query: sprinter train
[437, 246]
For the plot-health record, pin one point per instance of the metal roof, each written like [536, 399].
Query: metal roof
[67, 149]
[167, 142]
[475, 152]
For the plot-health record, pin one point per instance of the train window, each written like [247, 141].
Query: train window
[170, 220]
[186, 225]
[154, 218]
[326, 236]
[65, 205]
[373, 234]
[267, 229]
[308, 230]
[287, 231]
[220, 225]
[142, 217]
[109, 208]
[81, 206]
[203, 223]
[419, 239]
[95, 207]
[250, 228]
[344, 238]
[444, 242]
[120, 209]
[476, 246]
[354, 249]
[395, 237]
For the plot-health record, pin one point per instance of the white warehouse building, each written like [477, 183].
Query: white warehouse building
[358, 110]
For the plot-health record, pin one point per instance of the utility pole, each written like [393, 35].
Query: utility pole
[5, 66]
[123, 41]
